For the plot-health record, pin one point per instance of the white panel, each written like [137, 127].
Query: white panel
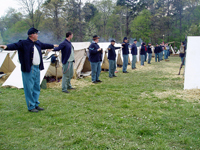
[192, 69]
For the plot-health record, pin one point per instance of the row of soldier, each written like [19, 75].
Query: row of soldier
[95, 56]
[30, 57]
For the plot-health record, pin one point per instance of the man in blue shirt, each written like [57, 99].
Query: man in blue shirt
[142, 53]
[67, 60]
[149, 51]
[112, 58]
[95, 59]
[30, 57]
[125, 51]
[134, 54]
[157, 53]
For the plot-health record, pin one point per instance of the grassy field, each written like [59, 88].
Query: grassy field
[144, 109]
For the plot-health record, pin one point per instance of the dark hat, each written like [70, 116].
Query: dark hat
[112, 40]
[135, 40]
[32, 31]
[125, 38]
[156, 43]
[96, 37]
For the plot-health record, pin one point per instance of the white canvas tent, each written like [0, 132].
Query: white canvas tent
[105, 61]
[15, 78]
[6, 64]
[192, 70]
[82, 65]
[11, 53]
[81, 45]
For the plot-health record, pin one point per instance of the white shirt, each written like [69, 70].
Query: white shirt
[71, 58]
[36, 56]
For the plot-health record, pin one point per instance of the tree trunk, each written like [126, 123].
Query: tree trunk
[80, 25]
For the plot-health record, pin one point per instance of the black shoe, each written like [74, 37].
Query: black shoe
[94, 82]
[65, 91]
[110, 77]
[33, 110]
[114, 76]
[125, 71]
[39, 108]
[98, 81]
[72, 89]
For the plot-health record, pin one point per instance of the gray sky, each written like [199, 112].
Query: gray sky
[5, 4]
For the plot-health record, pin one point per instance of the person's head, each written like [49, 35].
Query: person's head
[125, 39]
[135, 41]
[33, 34]
[157, 44]
[96, 38]
[143, 44]
[149, 44]
[182, 43]
[113, 42]
[69, 35]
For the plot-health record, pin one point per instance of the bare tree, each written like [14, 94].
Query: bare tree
[32, 9]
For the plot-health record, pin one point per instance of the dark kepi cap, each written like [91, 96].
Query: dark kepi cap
[96, 37]
[32, 31]
[135, 40]
[112, 40]
[125, 38]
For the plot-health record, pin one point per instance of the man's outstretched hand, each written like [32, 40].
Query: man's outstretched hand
[3, 46]
[49, 50]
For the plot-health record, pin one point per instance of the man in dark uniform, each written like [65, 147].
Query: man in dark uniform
[157, 53]
[134, 54]
[125, 51]
[149, 51]
[112, 58]
[161, 51]
[142, 54]
[30, 57]
[67, 50]
[95, 59]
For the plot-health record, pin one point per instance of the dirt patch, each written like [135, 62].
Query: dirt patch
[75, 83]
[187, 95]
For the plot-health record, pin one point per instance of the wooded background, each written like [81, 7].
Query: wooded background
[150, 20]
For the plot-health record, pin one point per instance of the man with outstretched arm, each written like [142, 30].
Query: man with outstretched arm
[134, 54]
[30, 57]
[125, 51]
[149, 51]
[112, 58]
[67, 50]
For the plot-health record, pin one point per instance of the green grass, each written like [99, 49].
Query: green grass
[120, 113]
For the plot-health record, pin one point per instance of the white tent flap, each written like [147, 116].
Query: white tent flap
[192, 71]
